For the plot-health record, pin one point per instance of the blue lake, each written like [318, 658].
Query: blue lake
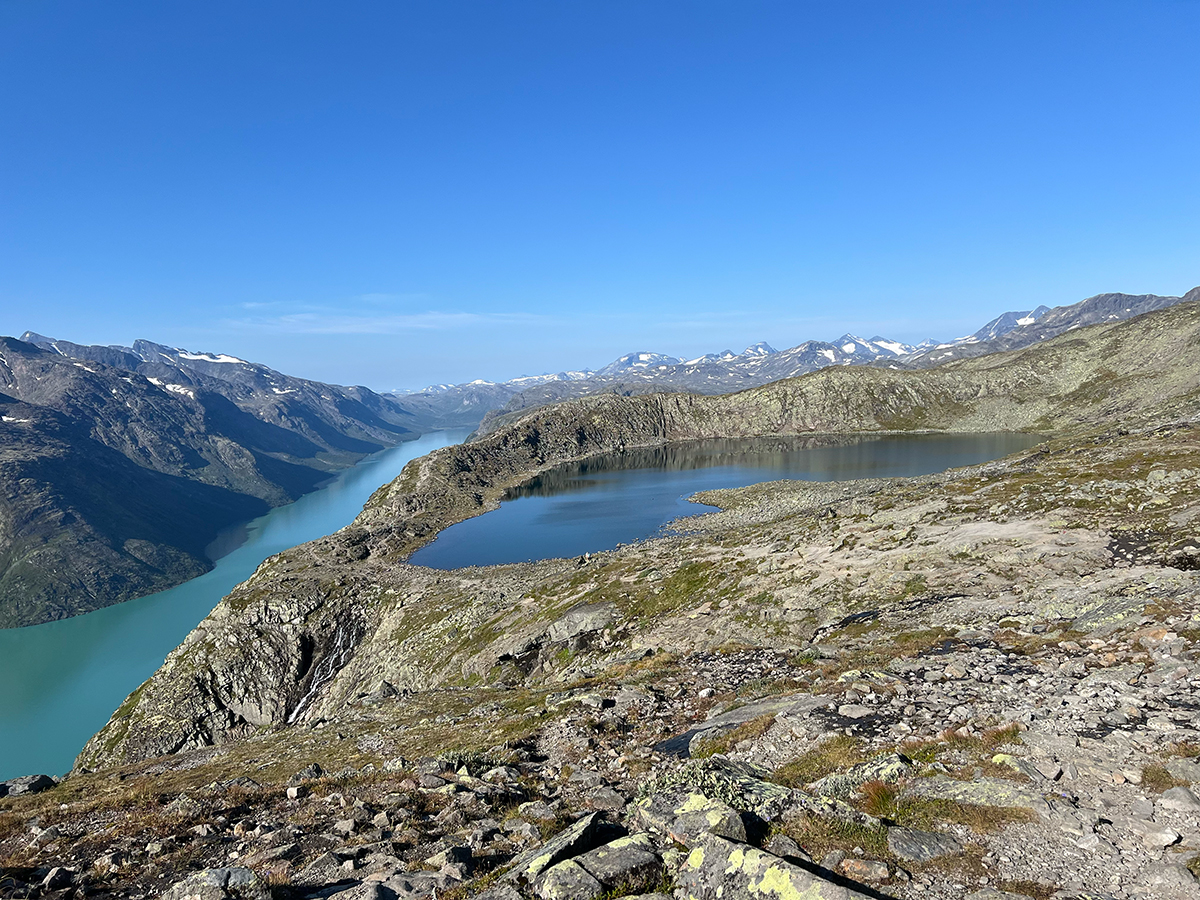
[625, 497]
[62, 680]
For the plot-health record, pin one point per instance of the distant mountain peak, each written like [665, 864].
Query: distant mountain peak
[762, 348]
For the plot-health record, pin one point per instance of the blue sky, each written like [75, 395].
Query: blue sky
[395, 194]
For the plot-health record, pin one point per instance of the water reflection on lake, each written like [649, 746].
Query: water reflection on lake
[624, 497]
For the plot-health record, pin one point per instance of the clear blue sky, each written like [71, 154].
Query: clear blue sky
[395, 194]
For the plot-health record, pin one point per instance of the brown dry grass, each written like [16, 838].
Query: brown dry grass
[832, 755]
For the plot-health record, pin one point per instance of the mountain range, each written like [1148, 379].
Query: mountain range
[119, 465]
[718, 373]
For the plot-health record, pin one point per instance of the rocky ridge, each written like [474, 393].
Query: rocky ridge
[879, 688]
[977, 684]
[640, 373]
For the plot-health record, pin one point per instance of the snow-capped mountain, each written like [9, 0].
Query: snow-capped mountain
[759, 364]
[1002, 325]
[1020, 329]
[640, 363]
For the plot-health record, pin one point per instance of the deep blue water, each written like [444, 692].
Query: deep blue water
[622, 498]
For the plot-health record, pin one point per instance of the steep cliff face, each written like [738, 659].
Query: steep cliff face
[305, 633]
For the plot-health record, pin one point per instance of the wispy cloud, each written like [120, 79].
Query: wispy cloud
[336, 322]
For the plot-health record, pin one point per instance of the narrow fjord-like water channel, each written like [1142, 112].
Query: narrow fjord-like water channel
[59, 682]
[624, 497]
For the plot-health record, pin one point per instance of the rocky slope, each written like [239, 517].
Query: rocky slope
[977, 684]
[315, 624]
[117, 470]
[1043, 324]
[882, 688]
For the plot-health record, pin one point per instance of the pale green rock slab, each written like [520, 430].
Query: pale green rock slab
[889, 767]
[1017, 764]
[719, 869]
[1110, 614]
[568, 881]
[630, 862]
[589, 832]
[981, 792]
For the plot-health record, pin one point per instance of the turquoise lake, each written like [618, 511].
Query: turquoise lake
[62, 680]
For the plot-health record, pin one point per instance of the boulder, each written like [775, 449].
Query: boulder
[588, 833]
[888, 767]
[1180, 799]
[718, 869]
[582, 620]
[26, 784]
[629, 862]
[568, 880]
[914, 845]
[688, 817]
[738, 785]
[234, 883]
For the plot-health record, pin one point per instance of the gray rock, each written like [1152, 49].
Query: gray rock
[854, 710]
[499, 892]
[991, 893]
[888, 767]
[582, 620]
[737, 784]
[568, 880]
[1180, 799]
[367, 890]
[588, 833]
[1159, 837]
[536, 809]
[719, 869]
[688, 817]
[981, 791]
[630, 862]
[914, 845]
[58, 878]
[235, 883]
[26, 784]
[785, 848]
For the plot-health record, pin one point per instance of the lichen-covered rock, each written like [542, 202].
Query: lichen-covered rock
[886, 767]
[630, 862]
[568, 880]
[980, 792]
[588, 833]
[234, 883]
[738, 785]
[718, 869]
[686, 818]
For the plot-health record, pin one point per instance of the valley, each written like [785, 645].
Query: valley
[878, 687]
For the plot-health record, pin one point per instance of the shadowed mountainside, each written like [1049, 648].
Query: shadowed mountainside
[113, 480]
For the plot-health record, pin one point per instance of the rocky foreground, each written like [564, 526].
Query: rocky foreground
[980, 684]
